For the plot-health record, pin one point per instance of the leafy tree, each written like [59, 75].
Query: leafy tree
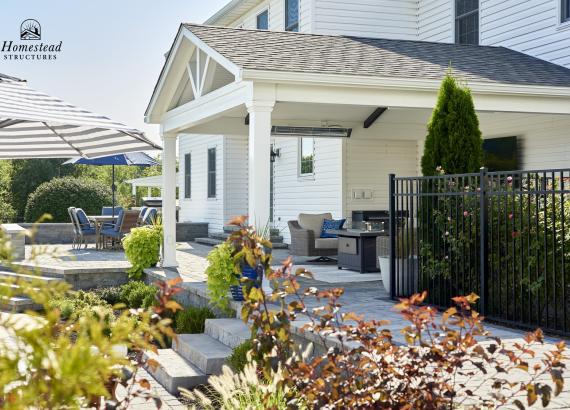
[28, 174]
[7, 212]
[454, 140]
[55, 196]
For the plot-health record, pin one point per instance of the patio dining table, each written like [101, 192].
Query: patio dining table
[99, 221]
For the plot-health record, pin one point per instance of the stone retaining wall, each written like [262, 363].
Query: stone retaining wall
[62, 233]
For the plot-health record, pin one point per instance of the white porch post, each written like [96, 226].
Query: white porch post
[169, 200]
[259, 161]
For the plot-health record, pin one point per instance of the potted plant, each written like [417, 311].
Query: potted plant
[251, 256]
[238, 263]
[406, 261]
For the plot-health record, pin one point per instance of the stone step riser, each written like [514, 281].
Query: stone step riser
[224, 236]
[174, 372]
[18, 304]
[18, 276]
[230, 332]
[206, 353]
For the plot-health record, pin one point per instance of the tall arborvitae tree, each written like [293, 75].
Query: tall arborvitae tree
[454, 140]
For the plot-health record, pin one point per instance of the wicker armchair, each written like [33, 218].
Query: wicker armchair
[306, 238]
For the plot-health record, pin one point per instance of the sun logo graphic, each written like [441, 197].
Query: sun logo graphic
[30, 30]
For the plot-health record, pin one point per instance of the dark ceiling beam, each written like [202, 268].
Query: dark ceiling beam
[374, 116]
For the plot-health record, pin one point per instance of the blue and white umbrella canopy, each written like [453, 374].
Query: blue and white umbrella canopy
[130, 158]
[36, 125]
[138, 159]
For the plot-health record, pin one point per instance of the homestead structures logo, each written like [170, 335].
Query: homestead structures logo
[30, 30]
[29, 48]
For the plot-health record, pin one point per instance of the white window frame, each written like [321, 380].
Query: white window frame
[454, 22]
[265, 10]
[300, 159]
[298, 17]
[208, 173]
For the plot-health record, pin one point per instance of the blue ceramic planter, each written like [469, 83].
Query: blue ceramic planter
[253, 277]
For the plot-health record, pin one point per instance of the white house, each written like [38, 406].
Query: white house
[274, 123]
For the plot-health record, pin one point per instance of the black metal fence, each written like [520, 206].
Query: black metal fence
[502, 235]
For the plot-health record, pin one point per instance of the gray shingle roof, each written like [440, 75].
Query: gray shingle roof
[325, 54]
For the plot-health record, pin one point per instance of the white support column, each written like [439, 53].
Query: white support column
[259, 161]
[169, 200]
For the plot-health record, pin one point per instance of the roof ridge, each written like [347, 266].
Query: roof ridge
[297, 33]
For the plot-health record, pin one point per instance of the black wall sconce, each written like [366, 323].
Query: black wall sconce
[275, 153]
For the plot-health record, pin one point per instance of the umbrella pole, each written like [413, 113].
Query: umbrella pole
[113, 189]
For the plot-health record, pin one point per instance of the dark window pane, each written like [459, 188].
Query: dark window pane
[565, 10]
[263, 21]
[211, 173]
[187, 176]
[467, 21]
[292, 15]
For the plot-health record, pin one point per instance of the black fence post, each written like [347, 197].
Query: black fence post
[392, 194]
[483, 242]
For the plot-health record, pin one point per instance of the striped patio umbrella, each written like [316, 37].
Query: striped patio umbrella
[36, 125]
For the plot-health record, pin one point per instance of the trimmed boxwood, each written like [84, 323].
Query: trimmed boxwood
[55, 196]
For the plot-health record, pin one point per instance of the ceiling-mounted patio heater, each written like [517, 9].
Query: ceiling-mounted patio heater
[315, 132]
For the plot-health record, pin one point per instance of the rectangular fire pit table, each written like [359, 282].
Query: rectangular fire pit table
[357, 249]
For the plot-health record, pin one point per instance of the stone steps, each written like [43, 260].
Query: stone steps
[174, 372]
[18, 304]
[208, 241]
[230, 332]
[206, 353]
[16, 276]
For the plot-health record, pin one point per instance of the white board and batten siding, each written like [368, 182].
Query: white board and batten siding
[200, 208]
[235, 177]
[318, 193]
[366, 18]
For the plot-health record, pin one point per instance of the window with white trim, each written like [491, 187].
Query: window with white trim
[307, 156]
[211, 172]
[187, 176]
[565, 11]
[263, 20]
[467, 21]
[291, 15]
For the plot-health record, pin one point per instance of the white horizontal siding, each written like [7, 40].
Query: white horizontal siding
[236, 176]
[318, 194]
[367, 18]
[200, 208]
[435, 20]
[532, 27]
[249, 19]
[369, 161]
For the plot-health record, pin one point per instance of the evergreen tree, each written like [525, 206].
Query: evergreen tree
[454, 140]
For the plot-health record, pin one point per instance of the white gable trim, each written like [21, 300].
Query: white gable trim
[164, 91]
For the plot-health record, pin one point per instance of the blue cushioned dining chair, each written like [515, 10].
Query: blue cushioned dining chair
[126, 221]
[84, 227]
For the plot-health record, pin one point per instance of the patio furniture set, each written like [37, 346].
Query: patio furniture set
[321, 236]
[109, 227]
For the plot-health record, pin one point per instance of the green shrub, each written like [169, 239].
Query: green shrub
[238, 360]
[454, 140]
[137, 294]
[192, 320]
[142, 248]
[81, 303]
[55, 196]
[111, 295]
[220, 273]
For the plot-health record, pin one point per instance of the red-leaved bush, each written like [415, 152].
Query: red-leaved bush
[448, 361]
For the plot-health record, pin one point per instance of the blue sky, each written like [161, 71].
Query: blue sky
[112, 50]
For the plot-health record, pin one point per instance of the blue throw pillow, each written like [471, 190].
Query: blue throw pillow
[331, 224]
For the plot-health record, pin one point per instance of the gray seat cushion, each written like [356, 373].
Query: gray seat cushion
[314, 222]
[326, 243]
